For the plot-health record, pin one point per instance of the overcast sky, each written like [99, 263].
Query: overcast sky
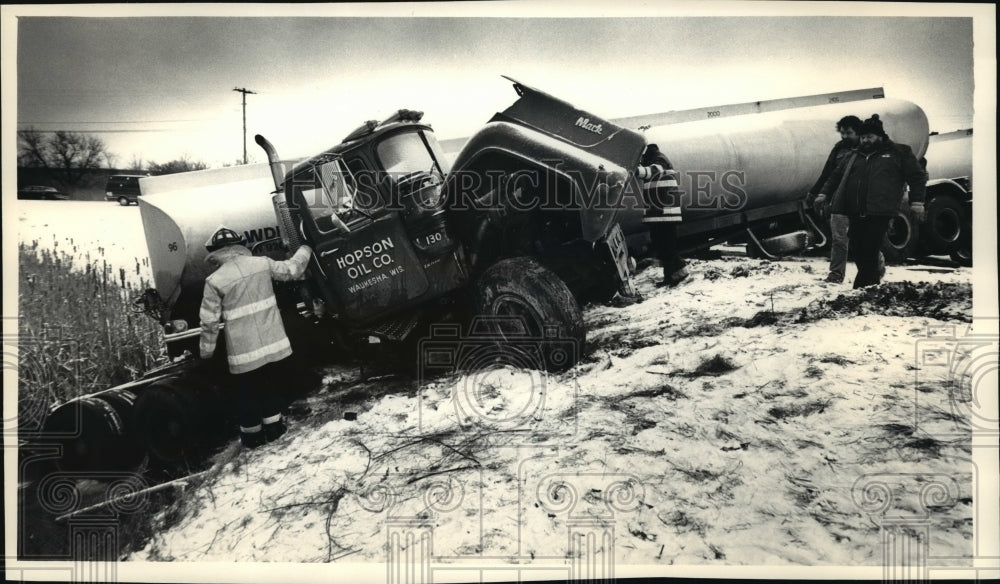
[161, 88]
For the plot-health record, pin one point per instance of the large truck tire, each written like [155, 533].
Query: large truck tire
[962, 256]
[902, 238]
[95, 432]
[528, 310]
[179, 420]
[961, 253]
[943, 225]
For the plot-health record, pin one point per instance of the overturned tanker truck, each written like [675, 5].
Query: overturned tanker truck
[489, 256]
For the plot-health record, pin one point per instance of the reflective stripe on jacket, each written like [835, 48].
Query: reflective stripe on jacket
[241, 294]
[660, 190]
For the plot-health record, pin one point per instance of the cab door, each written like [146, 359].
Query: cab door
[366, 261]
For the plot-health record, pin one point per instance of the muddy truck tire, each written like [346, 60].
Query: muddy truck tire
[943, 225]
[961, 253]
[180, 420]
[94, 433]
[528, 308]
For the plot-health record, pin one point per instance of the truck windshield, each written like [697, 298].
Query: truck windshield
[409, 152]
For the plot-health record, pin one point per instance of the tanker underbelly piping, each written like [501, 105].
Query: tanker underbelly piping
[716, 223]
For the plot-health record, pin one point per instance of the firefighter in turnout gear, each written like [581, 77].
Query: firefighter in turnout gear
[663, 212]
[239, 292]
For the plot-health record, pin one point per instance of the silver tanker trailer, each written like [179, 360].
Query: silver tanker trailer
[744, 175]
[179, 213]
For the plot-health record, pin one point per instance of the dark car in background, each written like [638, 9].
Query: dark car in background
[123, 188]
[39, 192]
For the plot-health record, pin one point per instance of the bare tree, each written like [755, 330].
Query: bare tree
[177, 165]
[137, 163]
[66, 156]
[32, 149]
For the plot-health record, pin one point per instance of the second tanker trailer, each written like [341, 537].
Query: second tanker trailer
[744, 177]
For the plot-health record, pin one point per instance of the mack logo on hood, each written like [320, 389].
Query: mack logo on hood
[587, 125]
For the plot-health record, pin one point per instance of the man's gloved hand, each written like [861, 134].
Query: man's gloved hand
[819, 205]
[918, 211]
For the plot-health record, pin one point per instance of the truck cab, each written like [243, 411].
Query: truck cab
[523, 226]
[370, 208]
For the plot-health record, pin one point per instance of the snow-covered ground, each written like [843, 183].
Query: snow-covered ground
[753, 415]
[741, 418]
[88, 231]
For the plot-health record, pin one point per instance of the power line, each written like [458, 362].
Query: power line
[122, 122]
[109, 131]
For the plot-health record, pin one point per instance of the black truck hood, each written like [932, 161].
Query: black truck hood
[554, 117]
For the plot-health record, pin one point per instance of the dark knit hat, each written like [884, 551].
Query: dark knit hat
[872, 125]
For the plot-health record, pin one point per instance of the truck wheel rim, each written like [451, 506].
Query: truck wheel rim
[509, 305]
[948, 225]
[899, 232]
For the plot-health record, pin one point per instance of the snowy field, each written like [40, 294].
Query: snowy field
[688, 432]
[89, 231]
[753, 415]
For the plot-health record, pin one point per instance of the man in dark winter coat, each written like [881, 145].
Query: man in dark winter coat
[848, 127]
[663, 212]
[874, 187]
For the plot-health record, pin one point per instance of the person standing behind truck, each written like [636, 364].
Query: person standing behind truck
[663, 212]
[872, 191]
[240, 292]
[848, 127]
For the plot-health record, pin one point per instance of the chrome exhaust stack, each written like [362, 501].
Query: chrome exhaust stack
[272, 158]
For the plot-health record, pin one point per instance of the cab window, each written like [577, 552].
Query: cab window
[407, 153]
[330, 192]
[366, 185]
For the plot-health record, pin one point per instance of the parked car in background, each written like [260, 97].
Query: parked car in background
[39, 192]
[123, 188]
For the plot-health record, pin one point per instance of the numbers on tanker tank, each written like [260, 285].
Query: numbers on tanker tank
[172, 246]
[715, 114]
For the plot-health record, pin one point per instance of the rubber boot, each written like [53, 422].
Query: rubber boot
[252, 437]
[274, 428]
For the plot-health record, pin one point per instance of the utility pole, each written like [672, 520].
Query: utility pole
[244, 91]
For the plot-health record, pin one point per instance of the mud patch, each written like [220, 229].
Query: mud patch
[667, 391]
[740, 271]
[926, 445]
[836, 359]
[798, 410]
[940, 300]
[713, 367]
[619, 344]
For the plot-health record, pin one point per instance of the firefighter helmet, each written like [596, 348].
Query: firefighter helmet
[222, 237]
